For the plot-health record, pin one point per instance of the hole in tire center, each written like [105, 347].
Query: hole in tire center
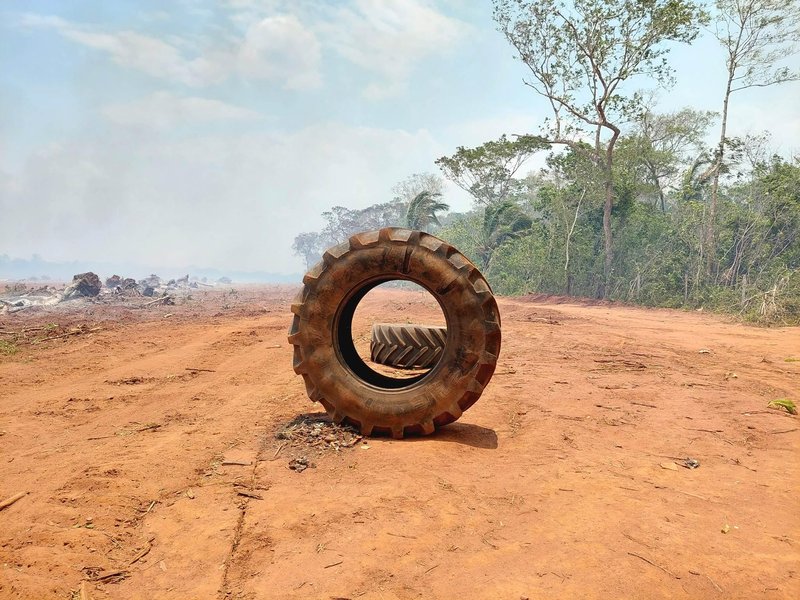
[409, 333]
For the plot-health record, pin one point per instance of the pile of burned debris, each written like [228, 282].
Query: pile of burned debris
[87, 287]
[315, 434]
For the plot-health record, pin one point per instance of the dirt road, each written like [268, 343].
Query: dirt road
[147, 449]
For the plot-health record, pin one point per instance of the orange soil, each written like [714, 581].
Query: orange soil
[551, 486]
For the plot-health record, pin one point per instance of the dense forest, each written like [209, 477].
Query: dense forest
[632, 205]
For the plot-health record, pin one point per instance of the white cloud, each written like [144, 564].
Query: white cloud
[389, 37]
[133, 50]
[281, 48]
[163, 110]
[277, 48]
[282, 41]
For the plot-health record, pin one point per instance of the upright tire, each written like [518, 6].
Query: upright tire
[337, 377]
[407, 346]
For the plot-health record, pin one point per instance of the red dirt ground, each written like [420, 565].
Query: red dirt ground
[551, 486]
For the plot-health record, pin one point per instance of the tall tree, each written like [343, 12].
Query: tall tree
[422, 210]
[572, 183]
[487, 171]
[757, 35]
[580, 53]
[660, 143]
[309, 246]
[405, 191]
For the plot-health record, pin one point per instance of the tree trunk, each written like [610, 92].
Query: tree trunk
[710, 233]
[568, 240]
[607, 206]
[609, 247]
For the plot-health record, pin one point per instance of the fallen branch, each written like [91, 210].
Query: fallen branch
[203, 370]
[667, 571]
[714, 583]
[333, 564]
[643, 404]
[9, 501]
[488, 543]
[112, 577]
[141, 554]
[247, 494]
[69, 333]
[767, 412]
[84, 591]
[157, 300]
[278, 451]
[149, 427]
[783, 431]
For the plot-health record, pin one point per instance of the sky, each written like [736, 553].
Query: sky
[212, 132]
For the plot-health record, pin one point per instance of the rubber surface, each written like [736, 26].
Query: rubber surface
[334, 374]
[407, 346]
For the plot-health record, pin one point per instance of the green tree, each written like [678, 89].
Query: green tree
[502, 221]
[659, 145]
[487, 171]
[571, 189]
[757, 36]
[422, 210]
[580, 54]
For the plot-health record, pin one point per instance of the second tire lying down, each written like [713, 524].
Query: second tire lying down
[338, 378]
[407, 346]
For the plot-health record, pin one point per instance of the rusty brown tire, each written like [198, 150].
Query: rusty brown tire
[337, 377]
[407, 346]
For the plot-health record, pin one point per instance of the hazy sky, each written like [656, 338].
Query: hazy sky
[212, 132]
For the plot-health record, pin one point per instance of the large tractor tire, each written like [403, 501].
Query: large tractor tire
[337, 377]
[407, 346]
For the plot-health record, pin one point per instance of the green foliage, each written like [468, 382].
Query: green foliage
[581, 56]
[8, 348]
[557, 249]
[487, 172]
[580, 52]
[421, 213]
[785, 404]
[548, 235]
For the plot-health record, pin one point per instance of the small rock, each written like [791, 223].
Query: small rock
[301, 464]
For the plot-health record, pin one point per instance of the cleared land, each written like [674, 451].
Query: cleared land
[147, 446]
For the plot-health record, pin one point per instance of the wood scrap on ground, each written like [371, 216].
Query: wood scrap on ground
[9, 501]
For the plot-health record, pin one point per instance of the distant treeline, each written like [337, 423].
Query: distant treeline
[37, 268]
